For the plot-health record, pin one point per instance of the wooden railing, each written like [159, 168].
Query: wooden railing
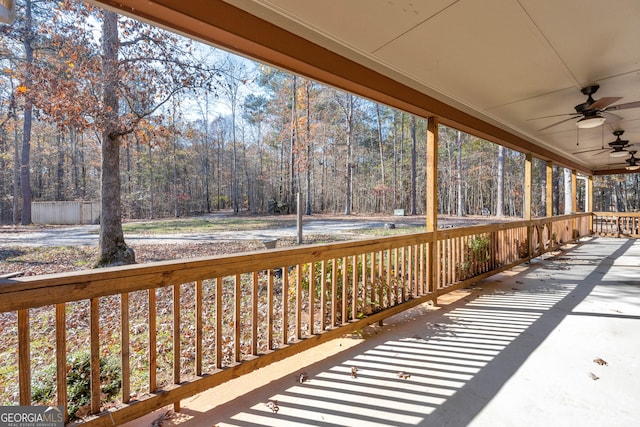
[178, 328]
[617, 224]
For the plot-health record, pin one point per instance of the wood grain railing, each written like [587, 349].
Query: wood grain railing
[181, 327]
[616, 224]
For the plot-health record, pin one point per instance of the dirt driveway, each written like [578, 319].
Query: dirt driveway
[87, 235]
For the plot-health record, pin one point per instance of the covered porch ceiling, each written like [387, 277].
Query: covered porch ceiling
[490, 68]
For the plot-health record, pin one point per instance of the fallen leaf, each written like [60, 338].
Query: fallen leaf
[83, 411]
[273, 405]
[600, 361]
[160, 421]
[403, 375]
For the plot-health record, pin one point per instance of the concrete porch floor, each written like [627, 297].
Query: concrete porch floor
[518, 349]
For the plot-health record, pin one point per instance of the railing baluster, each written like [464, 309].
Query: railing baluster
[422, 254]
[354, 286]
[388, 302]
[410, 268]
[254, 313]
[153, 348]
[365, 285]
[61, 360]
[24, 357]
[269, 309]
[298, 301]
[403, 272]
[334, 291]
[312, 286]
[372, 281]
[124, 345]
[219, 316]
[177, 352]
[285, 305]
[380, 281]
[94, 338]
[199, 338]
[323, 295]
[345, 295]
[237, 317]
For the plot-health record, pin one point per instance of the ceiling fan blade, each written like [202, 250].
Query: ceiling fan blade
[555, 115]
[606, 150]
[557, 123]
[611, 118]
[626, 106]
[590, 150]
[604, 102]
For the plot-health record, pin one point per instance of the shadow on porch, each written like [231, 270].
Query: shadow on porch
[520, 348]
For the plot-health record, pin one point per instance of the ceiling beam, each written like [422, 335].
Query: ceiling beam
[231, 28]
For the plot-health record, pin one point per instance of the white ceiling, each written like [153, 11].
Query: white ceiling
[507, 61]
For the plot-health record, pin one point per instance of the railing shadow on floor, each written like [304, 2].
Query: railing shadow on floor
[431, 368]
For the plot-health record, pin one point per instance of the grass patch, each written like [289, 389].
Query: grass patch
[407, 229]
[204, 225]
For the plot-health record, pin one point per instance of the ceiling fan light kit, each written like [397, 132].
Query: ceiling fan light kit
[620, 153]
[591, 122]
[632, 168]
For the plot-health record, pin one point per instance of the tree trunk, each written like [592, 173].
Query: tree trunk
[380, 145]
[348, 178]
[568, 194]
[460, 204]
[112, 248]
[309, 150]
[500, 184]
[60, 193]
[25, 167]
[414, 174]
[16, 164]
[292, 147]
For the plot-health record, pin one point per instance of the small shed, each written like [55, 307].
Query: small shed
[73, 212]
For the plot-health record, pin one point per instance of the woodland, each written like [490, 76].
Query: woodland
[96, 106]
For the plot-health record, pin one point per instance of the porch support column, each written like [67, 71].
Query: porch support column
[574, 191]
[574, 203]
[432, 205]
[528, 181]
[528, 184]
[589, 203]
[549, 189]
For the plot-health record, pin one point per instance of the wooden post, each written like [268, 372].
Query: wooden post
[589, 204]
[574, 202]
[432, 204]
[528, 181]
[574, 191]
[299, 216]
[549, 199]
[94, 345]
[24, 358]
[549, 189]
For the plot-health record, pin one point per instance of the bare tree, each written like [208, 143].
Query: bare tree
[500, 183]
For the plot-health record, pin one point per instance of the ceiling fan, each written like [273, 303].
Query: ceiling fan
[632, 163]
[593, 112]
[617, 148]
